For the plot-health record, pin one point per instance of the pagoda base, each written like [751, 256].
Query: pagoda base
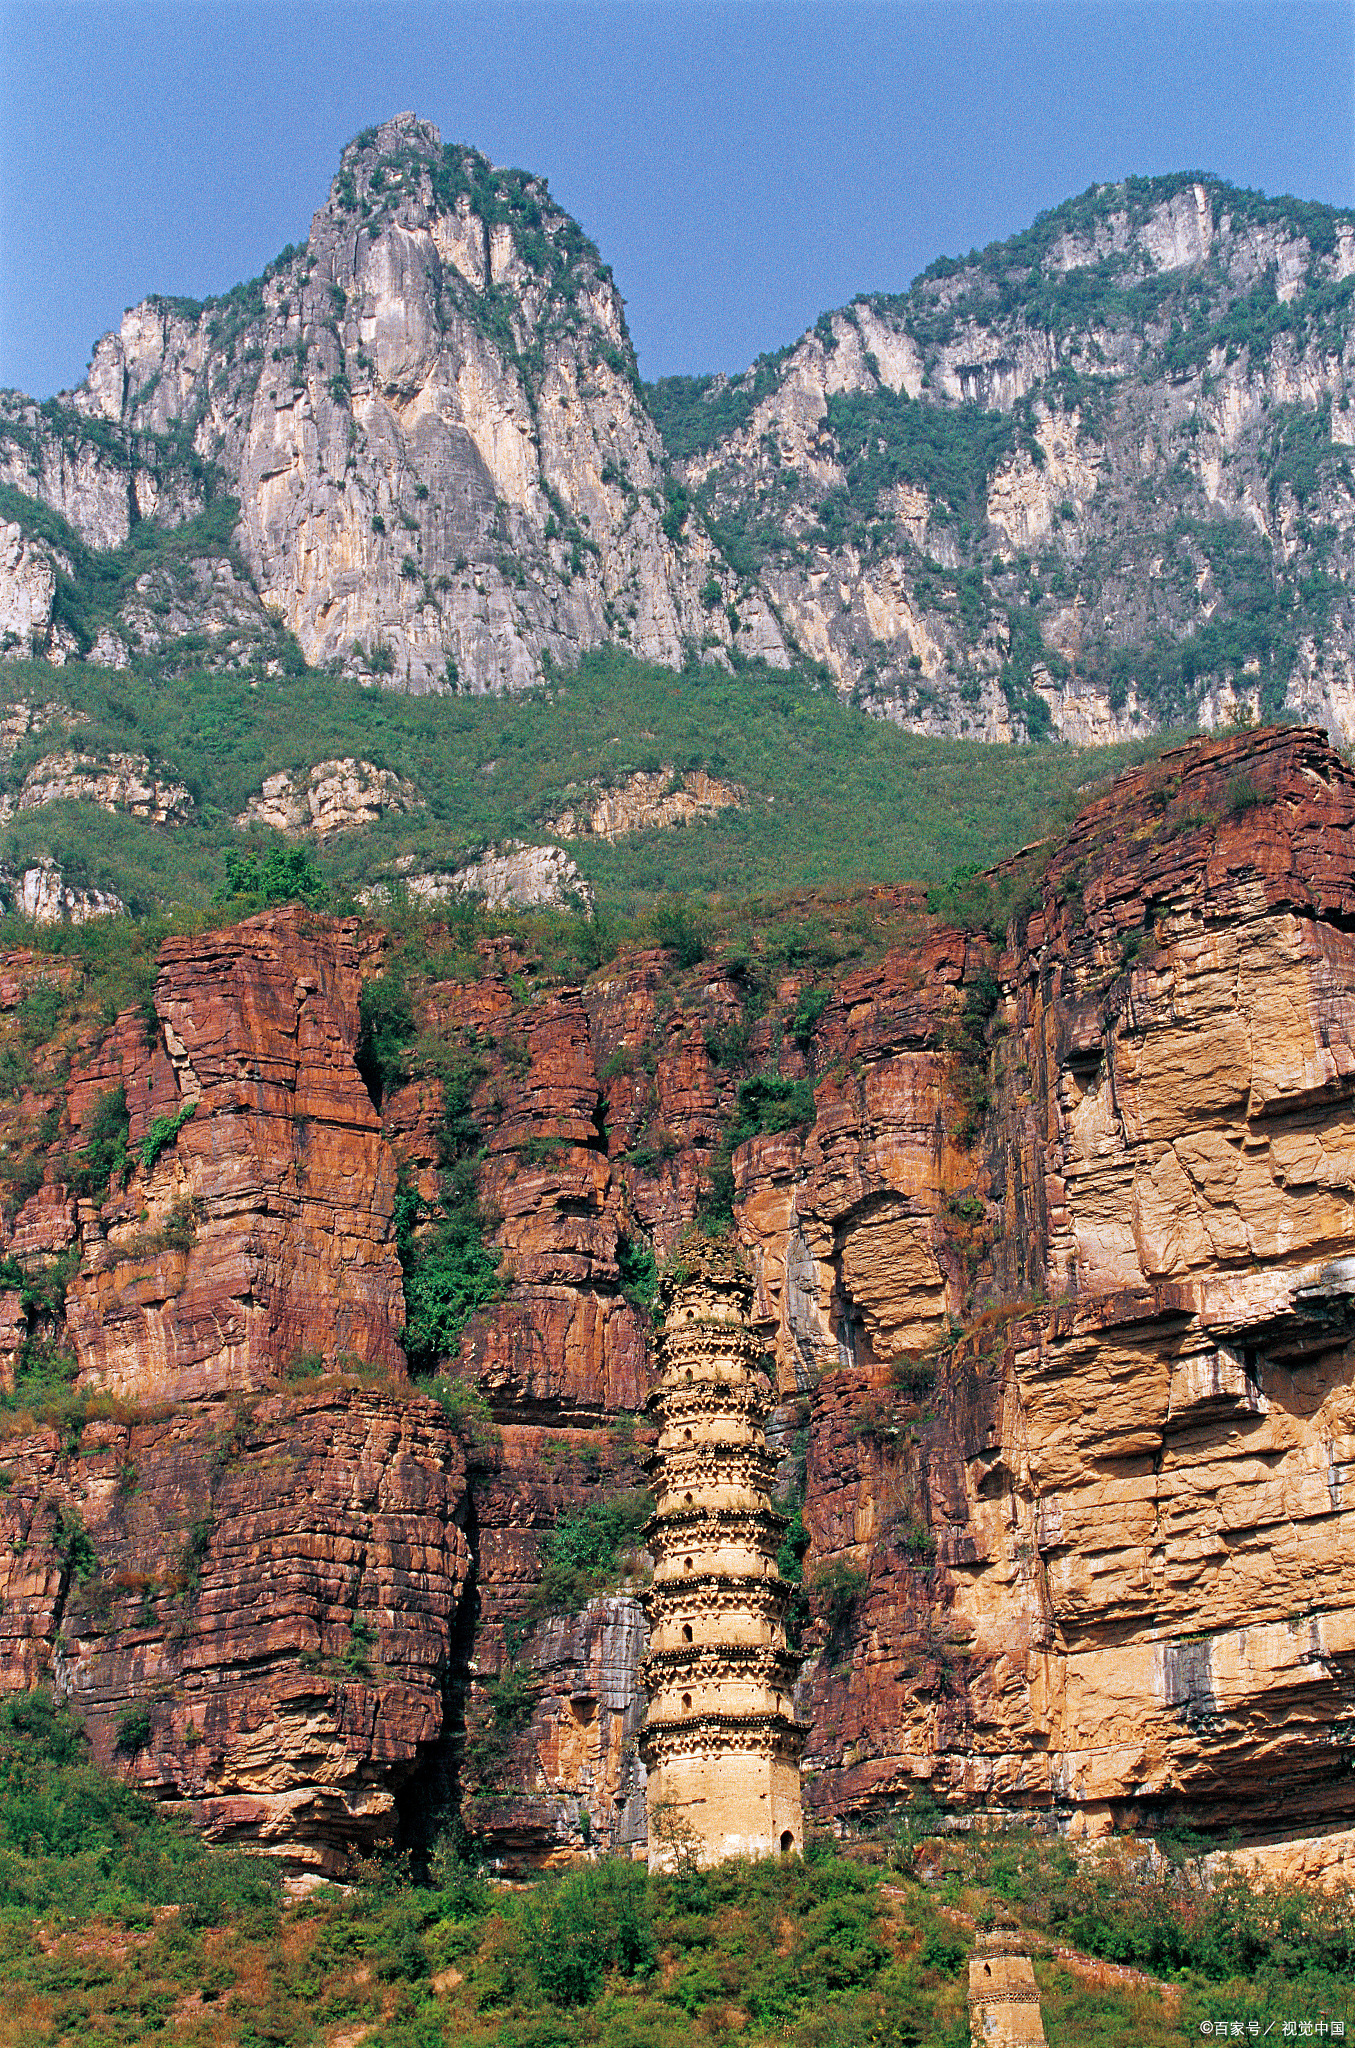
[716, 1805]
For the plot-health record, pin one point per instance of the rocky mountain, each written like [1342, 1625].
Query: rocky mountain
[431, 420]
[1089, 481]
[1048, 1200]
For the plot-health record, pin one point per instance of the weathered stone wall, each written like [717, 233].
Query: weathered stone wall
[274, 1582]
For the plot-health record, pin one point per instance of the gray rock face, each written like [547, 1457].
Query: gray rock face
[43, 895]
[49, 453]
[593, 1707]
[513, 877]
[335, 796]
[1041, 489]
[27, 588]
[1088, 482]
[431, 418]
[115, 782]
[202, 596]
[647, 801]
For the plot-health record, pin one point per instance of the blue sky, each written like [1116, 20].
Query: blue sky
[742, 164]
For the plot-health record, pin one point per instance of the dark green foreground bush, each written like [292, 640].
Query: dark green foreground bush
[117, 1925]
[76, 1842]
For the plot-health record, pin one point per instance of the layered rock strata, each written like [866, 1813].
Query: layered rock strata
[274, 1583]
[263, 1231]
[1099, 1543]
[1054, 1274]
[254, 1541]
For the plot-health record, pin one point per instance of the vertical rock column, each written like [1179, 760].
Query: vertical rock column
[721, 1745]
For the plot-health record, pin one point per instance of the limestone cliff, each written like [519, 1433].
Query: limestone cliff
[1053, 485]
[1051, 1256]
[429, 415]
[1093, 481]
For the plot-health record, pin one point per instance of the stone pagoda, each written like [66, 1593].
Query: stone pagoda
[721, 1744]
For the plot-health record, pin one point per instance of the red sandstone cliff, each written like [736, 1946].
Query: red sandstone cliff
[1057, 1282]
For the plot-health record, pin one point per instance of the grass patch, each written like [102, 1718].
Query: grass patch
[589, 1552]
[449, 1270]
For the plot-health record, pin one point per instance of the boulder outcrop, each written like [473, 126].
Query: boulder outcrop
[115, 782]
[44, 896]
[335, 796]
[648, 801]
[508, 877]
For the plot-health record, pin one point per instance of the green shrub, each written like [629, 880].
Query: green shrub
[357, 1657]
[915, 1377]
[885, 438]
[636, 1264]
[967, 1042]
[449, 1270]
[766, 1103]
[509, 1701]
[1242, 796]
[43, 1383]
[104, 1152]
[163, 1132]
[196, 1545]
[75, 1841]
[809, 1007]
[283, 874]
[790, 1563]
[586, 1552]
[678, 926]
[74, 1545]
[694, 413]
[987, 903]
[469, 1413]
[943, 1955]
[134, 1729]
[304, 1365]
[851, 797]
[449, 1273]
[835, 1592]
[386, 1031]
[579, 1927]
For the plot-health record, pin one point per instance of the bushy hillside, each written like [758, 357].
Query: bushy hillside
[823, 794]
[119, 1927]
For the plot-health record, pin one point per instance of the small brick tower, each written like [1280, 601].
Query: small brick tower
[721, 1745]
